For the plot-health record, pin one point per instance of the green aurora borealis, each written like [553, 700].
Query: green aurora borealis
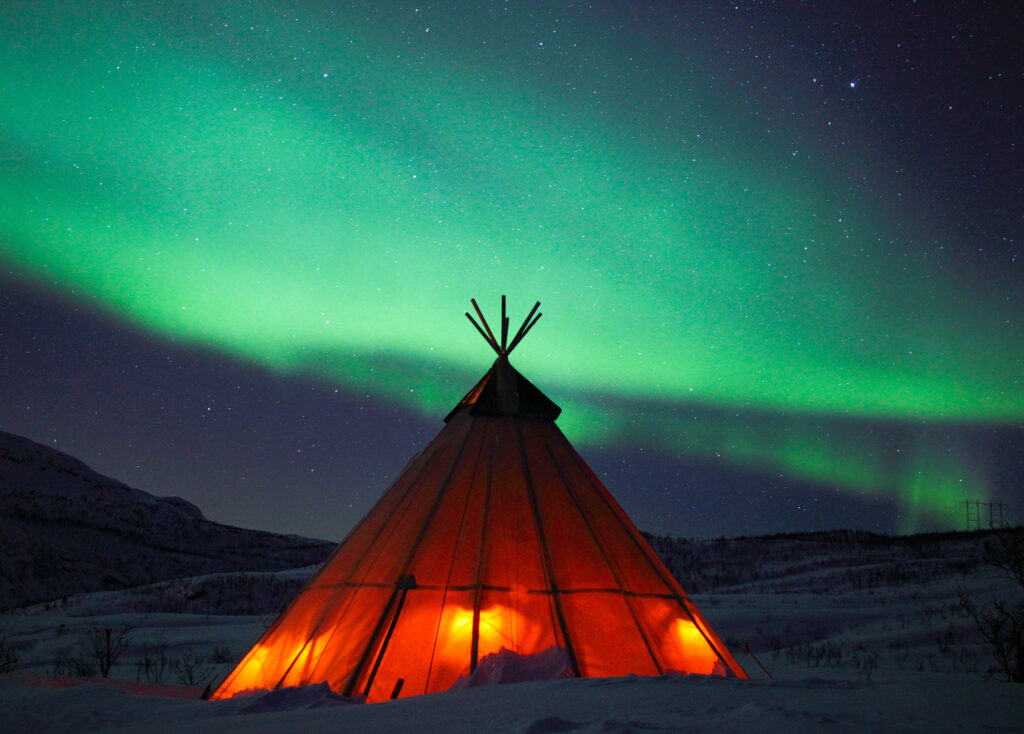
[322, 192]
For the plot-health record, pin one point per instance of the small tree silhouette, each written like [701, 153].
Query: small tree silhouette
[1002, 623]
[8, 656]
[106, 646]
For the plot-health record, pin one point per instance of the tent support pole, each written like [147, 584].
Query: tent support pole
[403, 585]
[549, 566]
[350, 686]
[620, 579]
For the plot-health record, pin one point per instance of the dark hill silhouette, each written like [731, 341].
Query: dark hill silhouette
[65, 529]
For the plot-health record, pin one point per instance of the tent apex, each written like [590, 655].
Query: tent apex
[504, 347]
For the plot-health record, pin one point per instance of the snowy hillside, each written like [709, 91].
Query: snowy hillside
[839, 631]
[859, 633]
[64, 529]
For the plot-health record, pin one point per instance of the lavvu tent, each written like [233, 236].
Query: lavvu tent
[497, 537]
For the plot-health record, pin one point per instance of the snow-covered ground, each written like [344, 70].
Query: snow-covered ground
[868, 636]
[885, 650]
[921, 703]
[859, 632]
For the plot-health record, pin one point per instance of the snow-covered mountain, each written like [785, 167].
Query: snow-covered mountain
[64, 529]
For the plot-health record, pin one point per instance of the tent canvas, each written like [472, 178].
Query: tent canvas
[496, 536]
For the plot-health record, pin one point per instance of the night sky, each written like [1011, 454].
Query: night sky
[777, 247]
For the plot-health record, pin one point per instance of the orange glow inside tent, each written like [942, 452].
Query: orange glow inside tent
[496, 536]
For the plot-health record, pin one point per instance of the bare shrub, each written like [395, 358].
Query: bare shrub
[8, 656]
[193, 670]
[62, 664]
[154, 665]
[105, 647]
[221, 654]
[1001, 622]
[83, 666]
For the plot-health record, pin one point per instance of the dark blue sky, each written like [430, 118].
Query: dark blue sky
[777, 244]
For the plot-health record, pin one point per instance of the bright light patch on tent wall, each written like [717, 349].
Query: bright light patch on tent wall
[686, 636]
[302, 195]
[498, 627]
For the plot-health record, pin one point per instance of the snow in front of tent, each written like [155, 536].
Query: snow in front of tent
[667, 703]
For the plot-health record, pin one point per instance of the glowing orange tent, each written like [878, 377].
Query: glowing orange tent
[497, 535]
